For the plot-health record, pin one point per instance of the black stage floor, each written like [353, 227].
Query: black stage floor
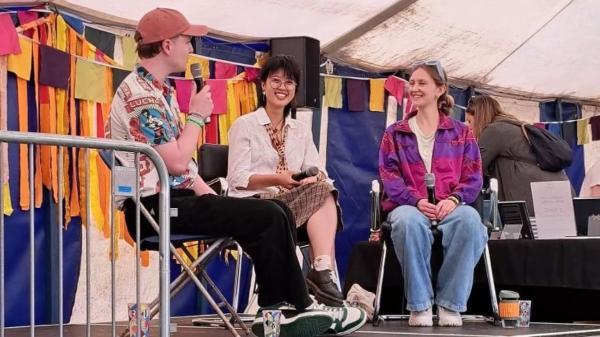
[185, 328]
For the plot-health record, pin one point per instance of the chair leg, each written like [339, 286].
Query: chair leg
[380, 275]
[492, 284]
[235, 302]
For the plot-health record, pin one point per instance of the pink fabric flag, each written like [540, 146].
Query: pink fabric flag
[218, 89]
[184, 93]
[225, 71]
[9, 43]
[395, 87]
[252, 74]
[26, 17]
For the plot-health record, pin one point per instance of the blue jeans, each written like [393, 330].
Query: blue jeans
[463, 241]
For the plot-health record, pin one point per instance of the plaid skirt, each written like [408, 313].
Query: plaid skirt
[305, 200]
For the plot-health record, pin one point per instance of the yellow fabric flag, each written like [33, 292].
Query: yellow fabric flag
[89, 81]
[377, 94]
[582, 131]
[203, 65]
[62, 30]
[20, 64]
[333, 92]
[8, 209]
[130, 57]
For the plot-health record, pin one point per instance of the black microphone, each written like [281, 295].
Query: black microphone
[196, 70]
[309, 172]
[430, 184]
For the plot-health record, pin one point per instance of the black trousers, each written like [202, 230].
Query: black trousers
[264, 228]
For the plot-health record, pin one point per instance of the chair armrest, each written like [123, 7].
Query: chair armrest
[220, 185]
[375, 205]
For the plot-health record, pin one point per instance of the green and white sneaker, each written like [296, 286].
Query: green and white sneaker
[294, 323]
[346, 319]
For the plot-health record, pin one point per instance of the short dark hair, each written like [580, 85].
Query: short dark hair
[291, 69]
[148, 50]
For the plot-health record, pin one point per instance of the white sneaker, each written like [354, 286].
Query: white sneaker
[448, 317]
[346, 319]
[421, 318]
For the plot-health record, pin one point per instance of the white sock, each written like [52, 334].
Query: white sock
[322, 262]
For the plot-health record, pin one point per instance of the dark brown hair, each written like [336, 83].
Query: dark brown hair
[485, 110]
[148, 50]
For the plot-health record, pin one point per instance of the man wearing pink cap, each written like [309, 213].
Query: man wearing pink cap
[145, 110]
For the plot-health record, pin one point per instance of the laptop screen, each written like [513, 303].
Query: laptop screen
[587, 216]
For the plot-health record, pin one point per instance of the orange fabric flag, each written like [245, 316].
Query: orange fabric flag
[24, 197]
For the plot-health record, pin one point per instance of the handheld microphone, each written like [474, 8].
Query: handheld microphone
[430, 184]
[196, 70]
[309, 172]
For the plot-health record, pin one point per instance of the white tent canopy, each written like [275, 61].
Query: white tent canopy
[533, 49]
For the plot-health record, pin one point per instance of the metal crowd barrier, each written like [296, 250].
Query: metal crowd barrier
[63, 142]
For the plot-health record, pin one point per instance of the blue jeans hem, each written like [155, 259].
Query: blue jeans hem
[450, 306]
[419, 306]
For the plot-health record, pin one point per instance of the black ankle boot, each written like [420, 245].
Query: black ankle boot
[323, 287]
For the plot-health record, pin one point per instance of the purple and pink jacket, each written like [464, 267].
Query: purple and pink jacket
[456, 163]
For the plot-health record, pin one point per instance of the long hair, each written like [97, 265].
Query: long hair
[291, 70]
[445, 102]
[486, 110]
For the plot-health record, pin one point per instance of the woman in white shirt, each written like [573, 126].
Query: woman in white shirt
[266, 147]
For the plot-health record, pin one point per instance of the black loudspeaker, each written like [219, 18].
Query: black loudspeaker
[307, 51]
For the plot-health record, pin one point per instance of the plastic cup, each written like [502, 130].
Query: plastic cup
[271, 322]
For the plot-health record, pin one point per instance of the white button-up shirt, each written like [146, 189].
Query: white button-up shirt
[251, 152]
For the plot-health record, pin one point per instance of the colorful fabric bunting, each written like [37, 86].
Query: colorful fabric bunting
[203, 65]
[218, 89]
[356, 91]
[595, 125]
[104, 41]
[184, 92]
[55, 67]
[89, 81]
[333, 92]
[130, 57]
[395, 87]
[582, 132]
[224, 71]
[20, 64]
[377, 96]
[9, 43]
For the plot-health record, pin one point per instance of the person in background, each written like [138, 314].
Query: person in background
[505, 152]
[428, 141]
[266, 147]
[591, 182]
[145, 110]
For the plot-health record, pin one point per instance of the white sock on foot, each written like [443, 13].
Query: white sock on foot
[421, 318]
[322, 262]
[448, 317]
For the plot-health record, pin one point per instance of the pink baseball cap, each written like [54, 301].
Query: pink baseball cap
[165, 23]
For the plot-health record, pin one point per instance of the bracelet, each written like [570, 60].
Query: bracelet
[195, 120]
[454, 200]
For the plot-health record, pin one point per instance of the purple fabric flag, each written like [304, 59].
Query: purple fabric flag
[355, 91]
[55, 67]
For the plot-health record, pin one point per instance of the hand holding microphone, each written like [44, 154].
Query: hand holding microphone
[430, 207]
[201, 103]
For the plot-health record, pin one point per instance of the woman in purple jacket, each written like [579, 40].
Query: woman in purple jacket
[428, 141]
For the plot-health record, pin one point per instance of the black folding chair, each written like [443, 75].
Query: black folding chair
[379, 222]
[195, 271]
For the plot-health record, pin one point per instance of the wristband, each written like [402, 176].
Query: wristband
[454, 200]
[195, 120]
